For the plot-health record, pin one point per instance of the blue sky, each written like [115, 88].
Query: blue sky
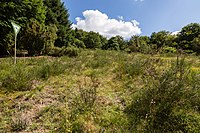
[152, 15]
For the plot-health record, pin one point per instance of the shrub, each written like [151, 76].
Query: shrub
[87, 96]
[84, 101]
[70, 51]
[18, 79]
[65, 51]
[55, 51]
[164, 104]
[18, 124]
[169, 50]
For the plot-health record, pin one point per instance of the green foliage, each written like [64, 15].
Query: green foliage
[113, 43]
[87, 96]
[55, 52]
[131, 70]
[160, 38]
[38, 39]
[20, 12]
[169, 50]
[53, 118]
[33, 39]
[43, 24]
[93, 40]
[70, 51]
[21, 78]
[37, 10]
[50, 69]
[187, 35]
[49, 38]
[78, 43]
[196, 45]
[83, 104]
[139, 44]
[164, 104]
[99, 61]
[58, 15]
[72, 100]
[18, 79]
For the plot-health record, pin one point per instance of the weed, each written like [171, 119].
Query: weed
[83, 103]
[87, 95]
[18, 124]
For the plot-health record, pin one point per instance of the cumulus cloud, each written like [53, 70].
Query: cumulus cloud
[97, 21]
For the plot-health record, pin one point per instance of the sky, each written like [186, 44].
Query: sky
[132, 17]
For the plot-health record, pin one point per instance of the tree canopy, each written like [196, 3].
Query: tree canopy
[46, 26]
[38, 19]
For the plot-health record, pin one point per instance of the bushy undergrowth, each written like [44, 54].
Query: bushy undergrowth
[133, 93]
[83, 104]
[18, 124]
[51, 68]
[54, 118]
[21, 77]
[65, 51]
[131, 68]
[168, 102]
[17, 78]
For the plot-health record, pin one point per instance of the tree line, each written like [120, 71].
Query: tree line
[46, 30]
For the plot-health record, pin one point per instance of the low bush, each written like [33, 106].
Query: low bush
[18, 124]
[168, 101]
[169, 50]
[55, 52]
[18, 79]
[21, 77]
[82, 104]
[70, 51]
[86, 98]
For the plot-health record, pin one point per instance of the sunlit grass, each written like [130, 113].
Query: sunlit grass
[56, 85]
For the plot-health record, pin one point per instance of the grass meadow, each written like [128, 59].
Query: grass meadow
[100, 91]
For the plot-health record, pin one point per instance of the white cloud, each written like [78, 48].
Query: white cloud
[175, 32]
[99, 22]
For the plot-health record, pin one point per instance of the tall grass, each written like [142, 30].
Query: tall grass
[169, 101]
[17, 78]
[21, 77]
[52, 68]
[150, 94]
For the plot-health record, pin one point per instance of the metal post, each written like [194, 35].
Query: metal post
[15, 50]
[16, 30]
